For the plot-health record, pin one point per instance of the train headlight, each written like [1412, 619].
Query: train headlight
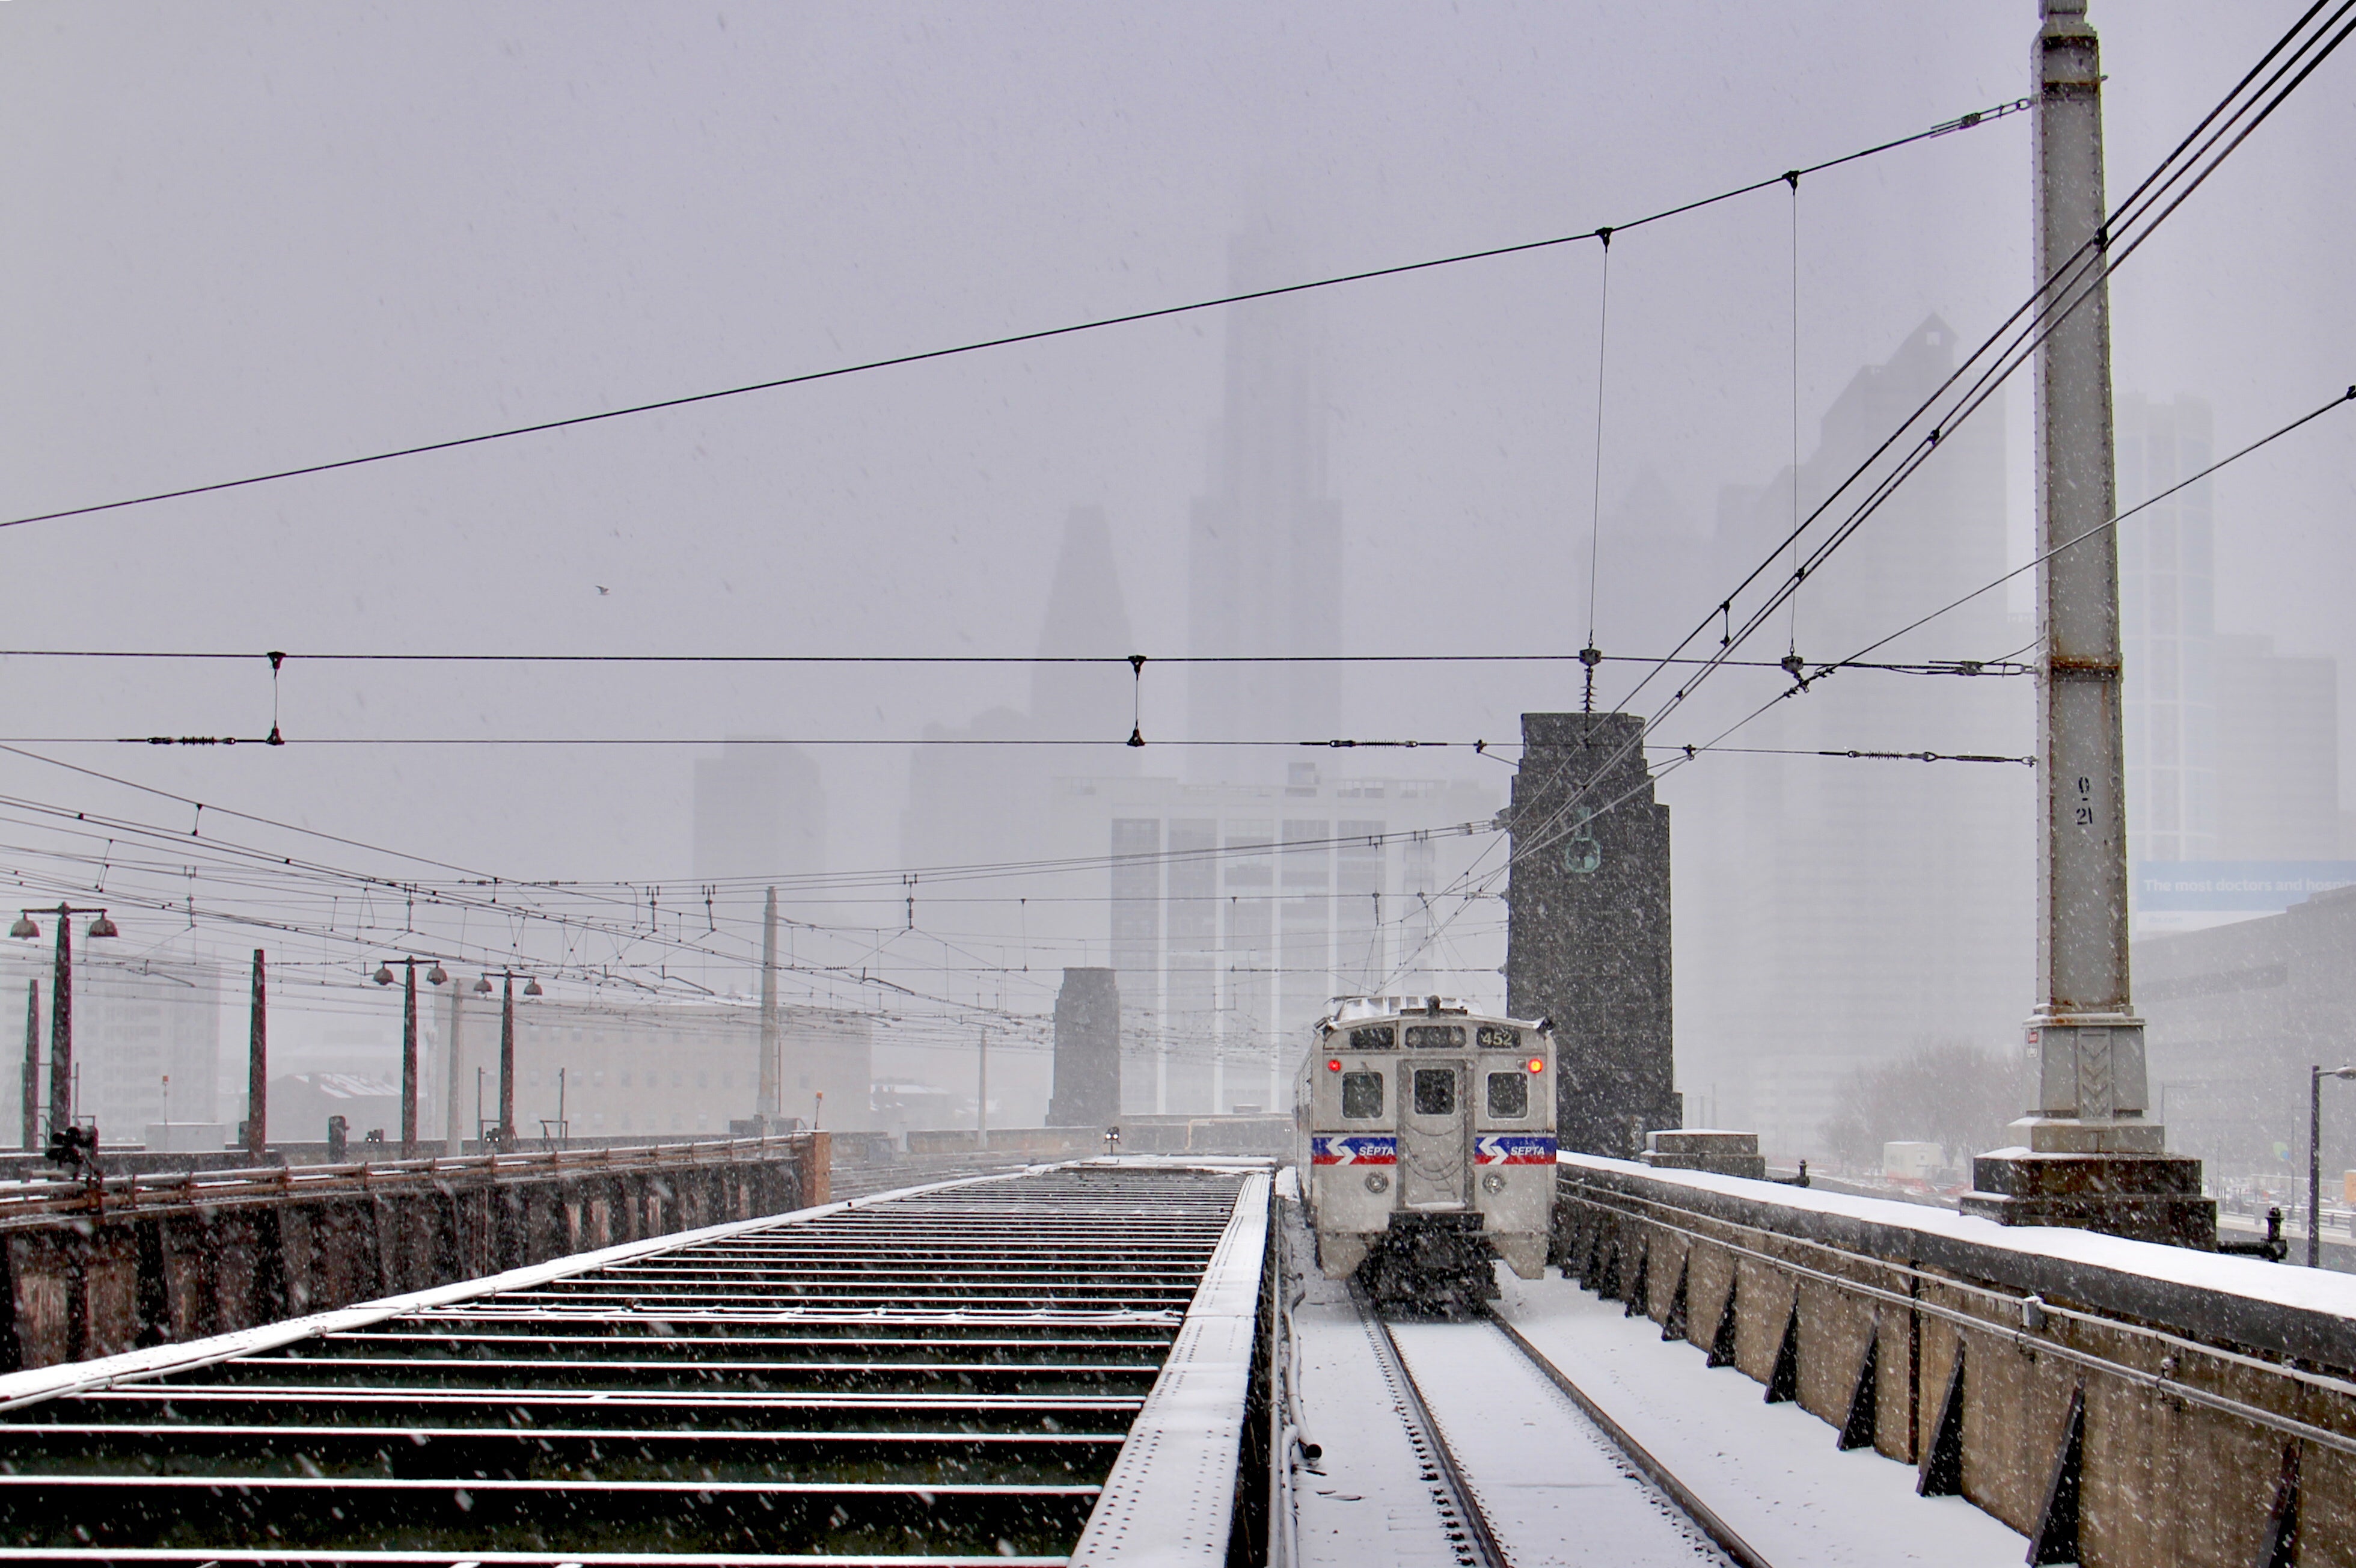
[1333, 1064]
[1536, 1064]
[1493, 1182]
[1378, 1181]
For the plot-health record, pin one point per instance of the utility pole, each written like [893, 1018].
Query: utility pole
[31, 1086]
[772, 1086]
[981, 1095]
[61, 1030]
[2084, 1038]
[507, 1064]
[409, 1061]
[257, 1069]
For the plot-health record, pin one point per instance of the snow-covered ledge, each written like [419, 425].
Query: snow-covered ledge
[2273, 1309]
[2124, 1402]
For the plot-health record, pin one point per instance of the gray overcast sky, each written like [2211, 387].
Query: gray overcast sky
[244, 237]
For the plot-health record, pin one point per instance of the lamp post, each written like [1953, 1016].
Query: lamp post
[506, 1133]
[61, 1002]
[2315, 1077]
[437, 975]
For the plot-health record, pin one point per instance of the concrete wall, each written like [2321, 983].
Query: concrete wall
[2163, 1477]
[87, 1277]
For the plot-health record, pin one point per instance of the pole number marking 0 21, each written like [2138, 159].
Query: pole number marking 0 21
[2086, 814]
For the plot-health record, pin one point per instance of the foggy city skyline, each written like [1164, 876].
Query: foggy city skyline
[271, 240]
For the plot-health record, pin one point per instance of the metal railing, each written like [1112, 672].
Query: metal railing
[31, 1202]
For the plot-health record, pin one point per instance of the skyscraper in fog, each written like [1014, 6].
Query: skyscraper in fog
[1835, 913]
[970, 805]
[2168, 625]
[760, 811]
[1264, 550]
[2232, 747]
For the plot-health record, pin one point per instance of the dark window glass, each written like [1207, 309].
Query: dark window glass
[1435, 1092]
[1373, 1038]
[1509, 1094]
[1435, 1037]
[1497, 1037]
[1362, 1094]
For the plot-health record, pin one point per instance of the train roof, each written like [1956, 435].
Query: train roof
[1344, 1011]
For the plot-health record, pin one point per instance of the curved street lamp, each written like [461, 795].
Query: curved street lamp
[505, 1132]
[383, 976]
[61, 1003]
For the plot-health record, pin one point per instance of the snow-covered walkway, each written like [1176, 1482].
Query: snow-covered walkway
[1770, 1471]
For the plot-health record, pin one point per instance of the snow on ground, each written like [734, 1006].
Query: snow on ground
[1371, 1506]
[1770, 1471]
[1555, 1492]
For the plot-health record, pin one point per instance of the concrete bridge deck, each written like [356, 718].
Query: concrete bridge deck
[1103, 1360]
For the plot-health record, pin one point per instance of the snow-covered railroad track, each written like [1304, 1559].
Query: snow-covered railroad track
[1521, 1471]
[948, 1375]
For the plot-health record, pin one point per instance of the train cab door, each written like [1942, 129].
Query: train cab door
[1433, 1159]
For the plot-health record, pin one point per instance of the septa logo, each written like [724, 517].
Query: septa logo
[1353, 1149]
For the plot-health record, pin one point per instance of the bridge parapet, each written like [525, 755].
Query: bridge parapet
[2118, 1401]
[94, 1269]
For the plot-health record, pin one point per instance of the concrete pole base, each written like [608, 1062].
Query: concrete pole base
[2142, 1197]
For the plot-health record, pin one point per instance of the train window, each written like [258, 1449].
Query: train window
[1509, 1094]
[1362, 1094]
[1435, 1037]
[1435, 1092]
[1372, 1038]
[1497, 1037]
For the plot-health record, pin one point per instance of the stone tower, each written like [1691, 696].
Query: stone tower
[1587, 935]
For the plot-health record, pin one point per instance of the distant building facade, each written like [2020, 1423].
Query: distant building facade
[668, 1067]
[760, 811]
[1833, 914]
[2232, 748]
[2236, 1015]
[1239, 911]
[146, 1036]
[1264, 547]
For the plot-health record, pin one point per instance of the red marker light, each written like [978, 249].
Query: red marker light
[1538, 1064]
[1333, 1064]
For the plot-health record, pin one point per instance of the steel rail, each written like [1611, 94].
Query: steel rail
[1722, 1534]
[1475, 1542]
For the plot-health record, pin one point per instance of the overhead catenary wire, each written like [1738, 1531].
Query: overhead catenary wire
[1803, 683]
[1852, 753]
[2268, 440]
[2012, 344]
[1919, 667]
[1962, 122]
[2085, 271]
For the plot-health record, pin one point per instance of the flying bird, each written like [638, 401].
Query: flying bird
[603, 590]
